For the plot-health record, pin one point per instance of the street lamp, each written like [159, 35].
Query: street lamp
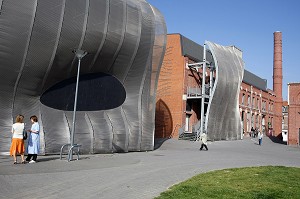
[79, 54]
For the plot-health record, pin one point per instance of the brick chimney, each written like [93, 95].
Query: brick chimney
[277, 65]
[277, 83]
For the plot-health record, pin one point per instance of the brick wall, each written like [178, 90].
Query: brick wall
[293, 113]
[169, 98]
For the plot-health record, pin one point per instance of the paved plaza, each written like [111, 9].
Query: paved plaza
[138, 174]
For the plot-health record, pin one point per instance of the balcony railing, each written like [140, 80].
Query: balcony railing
[195, 92]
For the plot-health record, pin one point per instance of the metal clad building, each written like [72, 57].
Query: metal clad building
[126, 42]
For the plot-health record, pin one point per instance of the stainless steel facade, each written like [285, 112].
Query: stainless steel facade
[126, 42]
[223, 121]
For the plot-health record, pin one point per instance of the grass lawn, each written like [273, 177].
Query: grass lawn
[265, 182]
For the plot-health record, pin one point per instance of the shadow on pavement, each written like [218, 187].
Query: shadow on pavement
[158, 142]
[45, 158]
[277, 140]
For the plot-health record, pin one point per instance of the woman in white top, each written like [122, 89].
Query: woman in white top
[260, 136]
[17, 144]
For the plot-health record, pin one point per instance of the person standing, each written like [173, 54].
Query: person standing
[260, 136]
[203, 138]
[34, 140]
[252, 132]
[17, 144]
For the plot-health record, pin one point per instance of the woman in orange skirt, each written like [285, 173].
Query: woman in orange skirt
[17, 144]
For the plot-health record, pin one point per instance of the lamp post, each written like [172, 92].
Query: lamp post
[79, 54]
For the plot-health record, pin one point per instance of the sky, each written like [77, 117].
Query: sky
[247, 24]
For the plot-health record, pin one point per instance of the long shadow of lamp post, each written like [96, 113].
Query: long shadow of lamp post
[79, 54]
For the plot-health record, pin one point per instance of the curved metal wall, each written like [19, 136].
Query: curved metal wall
[125, 39]
[223, 116]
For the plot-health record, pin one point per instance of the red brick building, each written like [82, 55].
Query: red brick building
[293, 113]
[256, 105]
[175, 111]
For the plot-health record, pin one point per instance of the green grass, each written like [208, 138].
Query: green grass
[266, 182]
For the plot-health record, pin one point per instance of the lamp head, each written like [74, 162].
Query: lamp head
[79, 53]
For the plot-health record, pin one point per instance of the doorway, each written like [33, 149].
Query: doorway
[187, 122]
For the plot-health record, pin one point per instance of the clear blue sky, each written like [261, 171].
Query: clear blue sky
[247, 24]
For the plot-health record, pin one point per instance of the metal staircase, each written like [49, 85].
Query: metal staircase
[203, 93]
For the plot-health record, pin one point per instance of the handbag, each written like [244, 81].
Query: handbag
[24, 134]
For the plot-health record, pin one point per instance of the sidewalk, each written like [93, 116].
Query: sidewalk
[135, 175]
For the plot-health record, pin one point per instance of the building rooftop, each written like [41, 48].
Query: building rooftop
[194, 51]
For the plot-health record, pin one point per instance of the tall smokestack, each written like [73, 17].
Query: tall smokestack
[277, 65]
[277, 84]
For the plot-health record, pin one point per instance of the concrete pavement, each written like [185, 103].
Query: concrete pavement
[138, 174]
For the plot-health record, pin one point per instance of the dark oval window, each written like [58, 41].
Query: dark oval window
[97, 91]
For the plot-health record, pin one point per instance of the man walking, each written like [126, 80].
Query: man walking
[260, 136]
[203, 138]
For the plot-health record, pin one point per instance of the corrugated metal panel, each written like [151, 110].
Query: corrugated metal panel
[223, 121]
[124, 38]
[16, 21]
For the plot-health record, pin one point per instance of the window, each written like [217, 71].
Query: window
[263, 105]
[272, 106]
[248, 100]
[243, 99]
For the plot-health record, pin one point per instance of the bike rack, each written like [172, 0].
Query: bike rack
[75, 146]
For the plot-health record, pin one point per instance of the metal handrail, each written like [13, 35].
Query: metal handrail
[181, 130]
[193, 91]
[197, 91]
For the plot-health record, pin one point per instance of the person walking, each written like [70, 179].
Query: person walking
[34, 140]
[17, 144]
[260, 136]
[203, 138]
